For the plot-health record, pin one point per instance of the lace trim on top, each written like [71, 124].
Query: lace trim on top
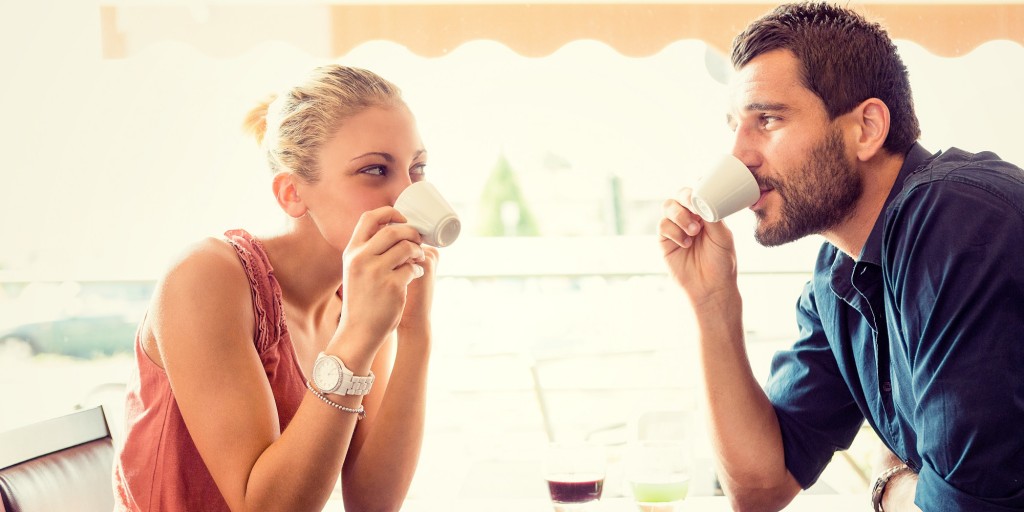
[266, 291]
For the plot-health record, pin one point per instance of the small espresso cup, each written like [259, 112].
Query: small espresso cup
[726, 188]
[428, 212]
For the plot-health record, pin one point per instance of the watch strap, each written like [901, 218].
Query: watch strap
[359, 385]
[350, 384]
[883, 480]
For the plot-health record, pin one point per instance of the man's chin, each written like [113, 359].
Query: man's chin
[771, 235]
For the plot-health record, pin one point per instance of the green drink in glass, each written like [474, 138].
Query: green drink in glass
[659, 475]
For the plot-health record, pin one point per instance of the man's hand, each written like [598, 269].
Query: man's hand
[901, 488]
[701, 257]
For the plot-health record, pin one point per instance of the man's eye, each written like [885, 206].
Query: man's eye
[767, 120]
[376, 170]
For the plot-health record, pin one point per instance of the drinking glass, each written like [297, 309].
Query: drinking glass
[575, 475]
[658, 473]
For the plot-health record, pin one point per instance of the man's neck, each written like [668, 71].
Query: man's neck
[879, 175]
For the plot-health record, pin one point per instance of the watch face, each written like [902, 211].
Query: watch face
[326, 374]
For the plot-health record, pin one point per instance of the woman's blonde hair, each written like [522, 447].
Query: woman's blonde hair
[292, 126]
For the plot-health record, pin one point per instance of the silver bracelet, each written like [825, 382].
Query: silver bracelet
[360, 412]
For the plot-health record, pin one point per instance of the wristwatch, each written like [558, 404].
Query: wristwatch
[879, 488]
[331, 376]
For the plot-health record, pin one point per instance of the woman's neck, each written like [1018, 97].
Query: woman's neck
[307, 268]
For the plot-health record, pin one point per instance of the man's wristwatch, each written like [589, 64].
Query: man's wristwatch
[879, 488]
[331, 376]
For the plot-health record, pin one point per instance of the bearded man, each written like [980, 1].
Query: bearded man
[913, 319]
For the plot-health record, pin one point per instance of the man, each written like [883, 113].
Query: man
[914, 316]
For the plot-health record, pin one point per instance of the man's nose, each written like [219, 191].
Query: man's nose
[744, 146]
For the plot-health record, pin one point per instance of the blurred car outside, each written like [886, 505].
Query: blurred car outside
[75, 336]
[80, 319]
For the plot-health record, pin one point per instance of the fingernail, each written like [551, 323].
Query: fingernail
[692, 228]
[417, 270]
[687, 242]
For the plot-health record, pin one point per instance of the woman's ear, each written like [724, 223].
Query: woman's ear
[872, 120]
[288, 195]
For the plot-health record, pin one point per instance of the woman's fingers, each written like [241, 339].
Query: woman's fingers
[402, 253]
[373, 221]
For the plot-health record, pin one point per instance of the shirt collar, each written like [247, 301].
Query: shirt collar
[872, 250]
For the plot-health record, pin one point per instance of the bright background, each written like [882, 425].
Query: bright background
[111, 166]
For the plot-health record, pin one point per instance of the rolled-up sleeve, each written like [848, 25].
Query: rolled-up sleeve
[816, 412]
[961, 327]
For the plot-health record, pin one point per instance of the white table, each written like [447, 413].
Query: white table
[802, 503]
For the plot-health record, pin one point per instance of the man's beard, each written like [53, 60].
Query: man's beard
[815, 198]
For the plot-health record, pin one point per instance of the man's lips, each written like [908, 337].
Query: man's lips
[760, 200]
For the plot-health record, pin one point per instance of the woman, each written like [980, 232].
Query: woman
[225, 412]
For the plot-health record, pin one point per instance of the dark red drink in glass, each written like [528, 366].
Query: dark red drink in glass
[575, 491]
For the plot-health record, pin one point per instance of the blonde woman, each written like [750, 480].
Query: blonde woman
[268, 366]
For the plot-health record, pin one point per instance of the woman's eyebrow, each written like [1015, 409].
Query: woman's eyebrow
[386, 156]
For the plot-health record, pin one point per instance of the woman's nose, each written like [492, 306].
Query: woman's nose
[398, 186]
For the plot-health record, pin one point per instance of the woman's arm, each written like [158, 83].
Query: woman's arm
[204, 331]
[203, 327]
[382, 462]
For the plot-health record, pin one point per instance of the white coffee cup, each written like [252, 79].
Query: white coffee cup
[725, 189]
[428, 212]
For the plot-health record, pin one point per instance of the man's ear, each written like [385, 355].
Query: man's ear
[871, 118]
[287, 195]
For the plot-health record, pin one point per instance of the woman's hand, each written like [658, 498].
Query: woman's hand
[382, 258]
[701, 256]
[421, 293]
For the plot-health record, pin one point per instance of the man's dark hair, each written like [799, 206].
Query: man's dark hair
[844, 58]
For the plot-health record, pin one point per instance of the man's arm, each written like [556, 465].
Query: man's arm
[744, 428]
[898, 493]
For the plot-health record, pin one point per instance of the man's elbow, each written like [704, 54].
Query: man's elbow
[748, 503]
[760, 499]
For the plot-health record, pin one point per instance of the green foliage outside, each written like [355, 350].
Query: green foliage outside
[503, 210]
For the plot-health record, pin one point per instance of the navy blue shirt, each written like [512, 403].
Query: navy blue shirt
[922, 336]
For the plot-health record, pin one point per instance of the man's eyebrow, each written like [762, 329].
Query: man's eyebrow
[759, 107]
[770, 107]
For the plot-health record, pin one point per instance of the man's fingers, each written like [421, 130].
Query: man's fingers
[687, 221]
[672, 236]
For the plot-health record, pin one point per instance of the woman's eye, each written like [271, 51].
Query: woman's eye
[418, 170]
[376, 170]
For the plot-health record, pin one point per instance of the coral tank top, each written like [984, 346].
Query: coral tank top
[158, 468]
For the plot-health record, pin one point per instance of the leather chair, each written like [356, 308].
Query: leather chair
[59, 464]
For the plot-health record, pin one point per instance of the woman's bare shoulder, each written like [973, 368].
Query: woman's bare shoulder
[206, 276]
[203, 299]
[210, 262]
